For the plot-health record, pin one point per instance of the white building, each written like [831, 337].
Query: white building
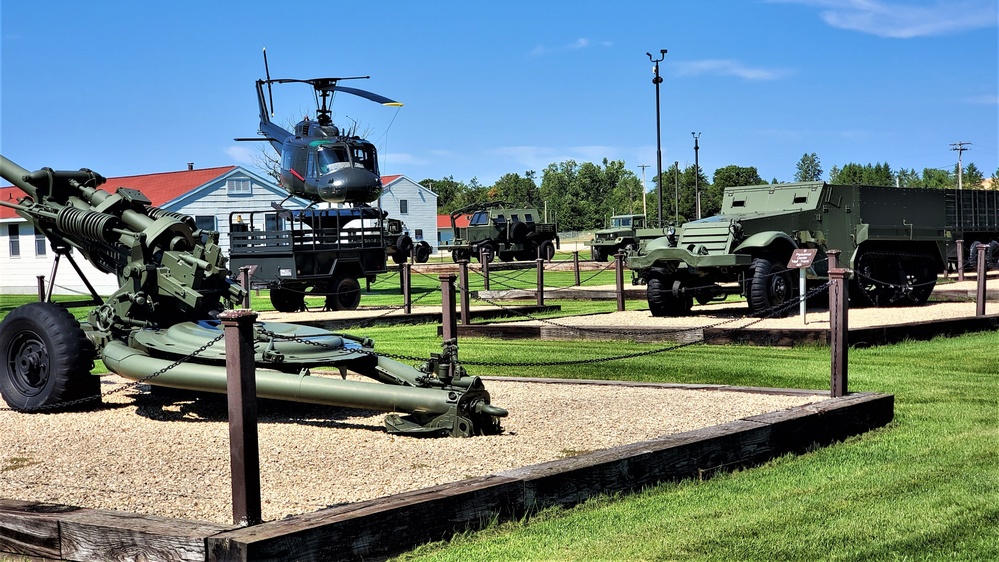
[209, 195]
[415, 205]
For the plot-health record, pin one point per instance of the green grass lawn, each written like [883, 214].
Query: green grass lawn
[926, 487]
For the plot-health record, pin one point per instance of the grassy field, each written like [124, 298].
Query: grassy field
[926, 487]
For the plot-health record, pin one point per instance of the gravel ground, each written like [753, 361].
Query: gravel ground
[150, 455]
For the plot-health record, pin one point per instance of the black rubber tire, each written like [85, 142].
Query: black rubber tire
[404, 244]
[655, 293]
[519, 232]
[771, 285]
[663, 294]
[487, 251]
[399, 258]
[547, 249]
[598, 254]
[459, 255]
[45, 359]
[346, 294]
[507, 256]
[287, 300]
[530, 251]
[421, 253]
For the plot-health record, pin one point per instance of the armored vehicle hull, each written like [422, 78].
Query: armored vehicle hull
[895, 241]
[496, 229]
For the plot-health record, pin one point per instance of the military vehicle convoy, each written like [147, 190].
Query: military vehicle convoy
[498, 229]
[620, 236]
[896, 241]
[161, 327]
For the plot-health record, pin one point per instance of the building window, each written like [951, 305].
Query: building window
[14, 233]
[205, 222]
[39, 242]
[403, 207]
[238, 186]
[273, 222]
[419, 234]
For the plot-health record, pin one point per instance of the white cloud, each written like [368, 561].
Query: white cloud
[985, 99]
[905, 19]
[725, 67]
[580, 43]
[242, 154]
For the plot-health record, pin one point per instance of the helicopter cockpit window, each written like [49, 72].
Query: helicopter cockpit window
[364, 156]
[332, 158]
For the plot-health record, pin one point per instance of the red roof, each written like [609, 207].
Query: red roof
[461, 221]
[159, 188]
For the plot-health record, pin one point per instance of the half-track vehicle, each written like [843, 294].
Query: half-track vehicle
[895, 241]
[496, 229]
[620, 236]
[162, 328]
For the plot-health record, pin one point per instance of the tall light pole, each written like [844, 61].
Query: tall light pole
[645, 210]
[697, 176]
[676, 193]
[659, 149]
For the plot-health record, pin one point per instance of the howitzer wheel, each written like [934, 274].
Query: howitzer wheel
[45, 359]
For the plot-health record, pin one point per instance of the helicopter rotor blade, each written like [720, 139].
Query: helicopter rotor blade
[365, 94]
[270, 92]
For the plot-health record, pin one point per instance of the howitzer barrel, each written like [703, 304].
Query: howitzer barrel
[15, 175]
[135, 365]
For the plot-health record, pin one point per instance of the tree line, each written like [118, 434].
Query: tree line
[581, 196]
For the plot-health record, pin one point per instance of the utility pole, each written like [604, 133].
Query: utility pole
[959, 147]
[697, 175]
[676, 193]
[645, 210]
[659, 149]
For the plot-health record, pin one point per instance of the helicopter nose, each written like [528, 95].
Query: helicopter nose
[350, 185]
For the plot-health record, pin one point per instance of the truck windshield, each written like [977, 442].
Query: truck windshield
[621, 221]
[479, 218]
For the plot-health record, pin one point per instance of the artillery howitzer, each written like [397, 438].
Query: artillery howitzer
[161, 326]
[895, 241]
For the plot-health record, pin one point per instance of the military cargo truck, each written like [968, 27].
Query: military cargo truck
[498, 229]
[621, 235]
[896, 241]
[323, 252]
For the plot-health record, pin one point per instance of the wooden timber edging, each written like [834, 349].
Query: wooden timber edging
[388, 525]
[378, 318]
[784, 337]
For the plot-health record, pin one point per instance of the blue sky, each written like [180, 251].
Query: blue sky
[496, 87]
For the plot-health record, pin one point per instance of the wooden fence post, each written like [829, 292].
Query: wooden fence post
[541, 281]
[575, 264]
[241, 394]
[449, 320]
[960, 260]
[484, 261]
[982, 274]
[466, 314]
[838, 330]
[619, 279]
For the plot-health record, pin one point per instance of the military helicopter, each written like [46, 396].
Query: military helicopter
[319, 161]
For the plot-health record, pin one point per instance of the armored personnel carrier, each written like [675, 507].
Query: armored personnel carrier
[498, 229]
[896, 241]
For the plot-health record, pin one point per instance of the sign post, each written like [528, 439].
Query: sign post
[801, 259]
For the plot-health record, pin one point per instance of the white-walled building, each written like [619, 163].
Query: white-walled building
[209, 195]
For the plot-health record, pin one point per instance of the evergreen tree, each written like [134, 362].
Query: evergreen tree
[809, 168]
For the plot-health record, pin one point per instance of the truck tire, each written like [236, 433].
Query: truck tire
[346, 294]
[529, 252]
[598, 254]
[287, 300]
[770, 287]
[459, 255]
[547, 250]
[486, 252]
[45, 359]
[666, 298]
[422, 252]
[519, 232]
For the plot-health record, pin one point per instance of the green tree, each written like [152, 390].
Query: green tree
[517, 190]
[972, 177]
[850, 174]
[809, 168]
[938, 179]
[448, 191]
